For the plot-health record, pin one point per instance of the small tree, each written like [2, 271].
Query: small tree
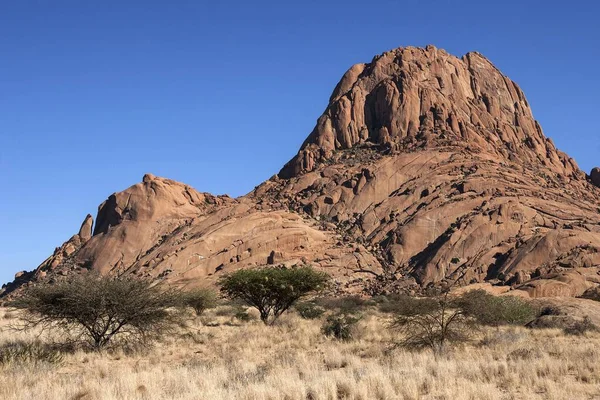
[430, 322]
[100, 309]
[272, 290]
[199, 299]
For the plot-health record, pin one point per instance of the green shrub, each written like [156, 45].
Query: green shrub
[272, 290]
[21, 352]
[493, 310]
[340, 326]
[199, 299]
[309, 310]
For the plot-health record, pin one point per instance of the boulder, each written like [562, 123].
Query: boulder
[85, 232]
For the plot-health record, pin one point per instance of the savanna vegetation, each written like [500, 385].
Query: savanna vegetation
[256, 344]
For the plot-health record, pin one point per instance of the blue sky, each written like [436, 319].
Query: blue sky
[93, 94]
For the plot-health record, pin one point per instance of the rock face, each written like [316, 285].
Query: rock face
[412, 93]
[595, 176]
[425, 169]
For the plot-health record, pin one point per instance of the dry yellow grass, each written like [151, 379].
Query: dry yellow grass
[294, 361]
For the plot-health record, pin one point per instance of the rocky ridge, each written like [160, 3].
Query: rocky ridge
[424, 169]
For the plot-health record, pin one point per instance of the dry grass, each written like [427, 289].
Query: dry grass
[293, 360]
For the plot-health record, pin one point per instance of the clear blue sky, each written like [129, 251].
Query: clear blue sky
[220, 94]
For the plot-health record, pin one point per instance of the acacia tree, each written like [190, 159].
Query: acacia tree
[272, 290]
[431, 322]
[99, 309]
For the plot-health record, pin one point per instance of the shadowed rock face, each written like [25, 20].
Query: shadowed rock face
[595, 176]
[424, 169]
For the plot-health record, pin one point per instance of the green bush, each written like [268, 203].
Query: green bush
[309, 310]
[340, 326]
[493, 310]
[272, 290]
[21, 352]
[199, 299]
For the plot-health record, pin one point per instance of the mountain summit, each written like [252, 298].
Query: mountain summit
[425, 168]
[431, 98]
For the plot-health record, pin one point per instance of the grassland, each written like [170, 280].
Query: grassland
[217, 357]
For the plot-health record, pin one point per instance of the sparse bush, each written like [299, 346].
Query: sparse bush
[493, 310]
[309, 310]
[430, 322]
[272, 290]
[199, 299]
[21, 352]
[580, 328]
[100, 309]
[340, 326]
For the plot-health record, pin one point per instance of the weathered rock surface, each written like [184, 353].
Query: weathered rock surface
[424, 169]
[427, 94]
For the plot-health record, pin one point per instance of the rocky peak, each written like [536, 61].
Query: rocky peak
[152, 199]
[428, 97]
[85, 232]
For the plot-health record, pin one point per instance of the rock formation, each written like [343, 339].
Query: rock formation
[424, 169]
[412, 93]
[595, 176]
